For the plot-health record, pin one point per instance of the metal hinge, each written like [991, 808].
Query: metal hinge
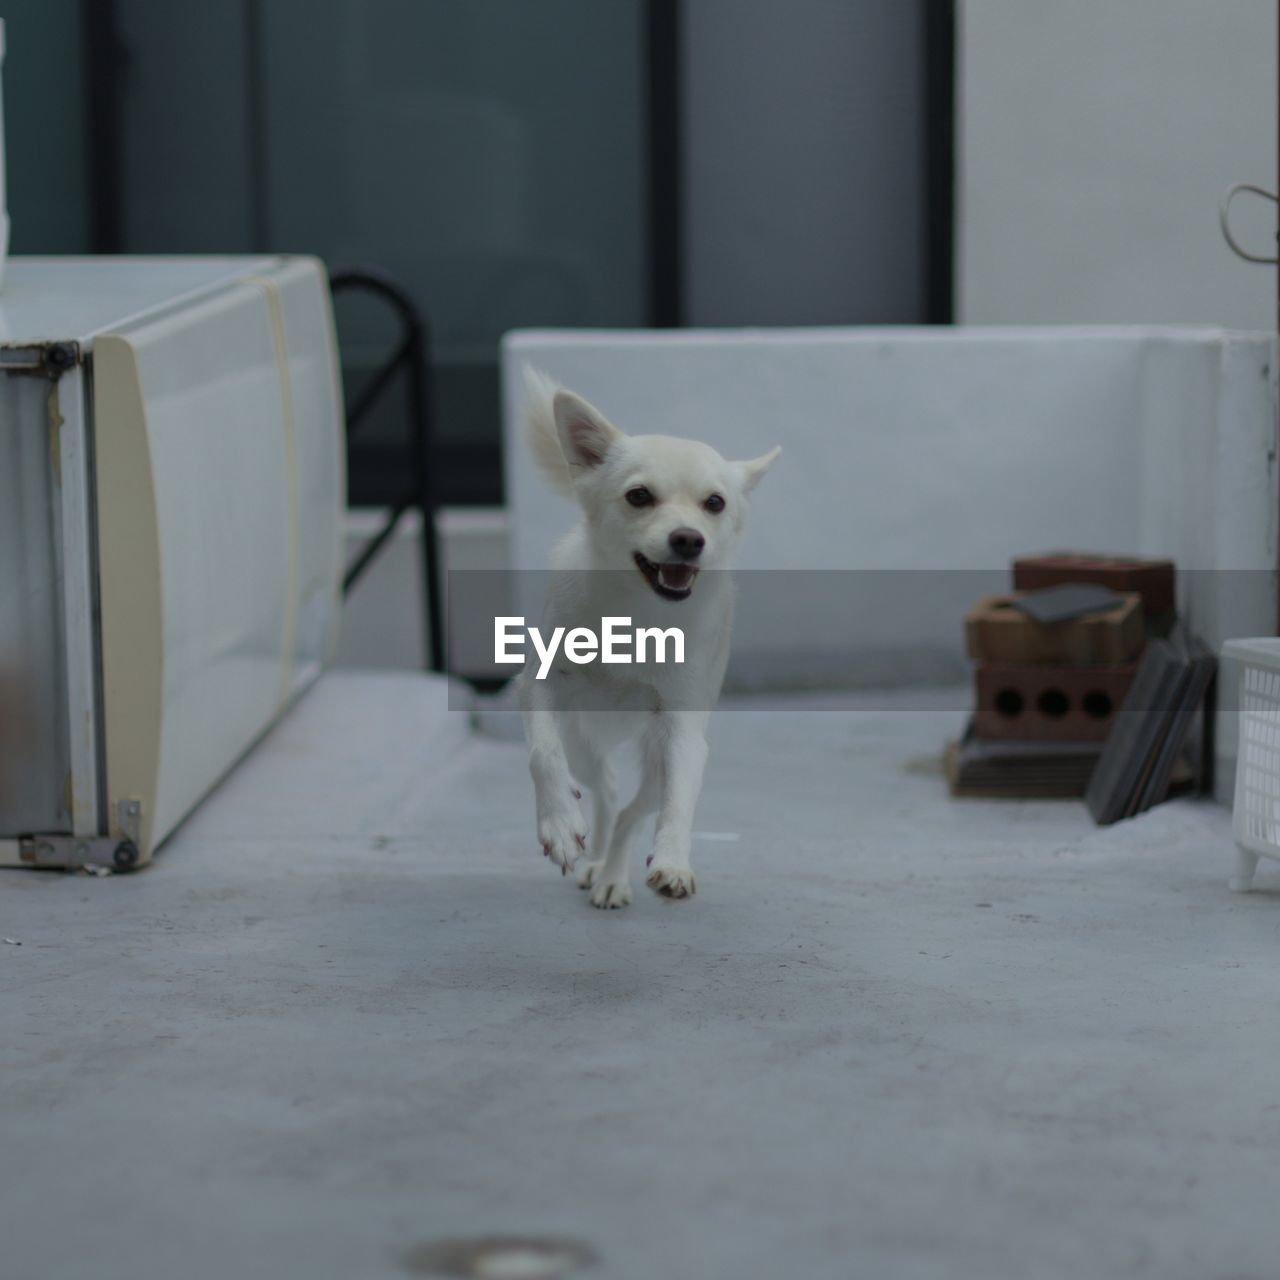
[112, 853]
[46, 359]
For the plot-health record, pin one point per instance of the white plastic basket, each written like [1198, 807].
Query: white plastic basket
[1256, 809]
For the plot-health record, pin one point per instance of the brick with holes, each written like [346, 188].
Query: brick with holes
[997, 632]
[1048, 703]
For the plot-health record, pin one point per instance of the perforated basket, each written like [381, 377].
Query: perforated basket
[1256, 808]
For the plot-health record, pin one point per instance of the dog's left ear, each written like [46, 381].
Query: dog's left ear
[586, 435]
[753, 470]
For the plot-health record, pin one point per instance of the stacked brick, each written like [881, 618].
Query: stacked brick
[1064, 681]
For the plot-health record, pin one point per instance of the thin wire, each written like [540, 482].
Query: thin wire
[1224, 217]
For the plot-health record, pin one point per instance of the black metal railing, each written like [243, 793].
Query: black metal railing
[411, 359]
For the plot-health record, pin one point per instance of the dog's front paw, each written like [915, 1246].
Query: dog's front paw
[563, 836]
[604, 893]
[671, 879]
[608, 894]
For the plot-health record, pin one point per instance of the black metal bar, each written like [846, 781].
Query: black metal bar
[413, 355]
[256, 125]
[468, 472]
[939, 159]
[419, 391]
[376, 543]
[376, 385]
[666, 268]
[104, 64]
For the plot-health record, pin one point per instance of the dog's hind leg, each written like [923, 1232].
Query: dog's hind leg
[604, 795]
[561, 830]
[609, 881]
[682, 746]
[595, 772]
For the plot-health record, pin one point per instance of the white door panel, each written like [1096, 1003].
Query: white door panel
[220, 488]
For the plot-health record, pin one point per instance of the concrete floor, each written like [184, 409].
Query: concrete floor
[350, 1012]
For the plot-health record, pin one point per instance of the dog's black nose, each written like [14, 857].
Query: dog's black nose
[687, 543]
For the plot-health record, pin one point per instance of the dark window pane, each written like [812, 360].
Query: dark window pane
[491, 154]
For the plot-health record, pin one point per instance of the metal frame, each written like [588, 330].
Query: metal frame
[939, 160]
[68, 409]
[410, 357]
[71, 853]
[256, 153]
[665, 161]
[61, 367]
[104, 59]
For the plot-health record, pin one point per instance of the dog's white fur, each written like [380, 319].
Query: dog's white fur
[577, 718]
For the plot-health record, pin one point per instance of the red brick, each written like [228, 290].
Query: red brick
[1153, 580]
[1049, 704]
[996, 632]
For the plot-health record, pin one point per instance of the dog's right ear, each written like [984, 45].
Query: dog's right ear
[753, 470]
[586, 435]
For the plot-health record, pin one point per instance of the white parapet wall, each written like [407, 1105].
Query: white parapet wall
[935, 456]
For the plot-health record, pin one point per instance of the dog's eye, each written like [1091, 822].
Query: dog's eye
[640, 496]
[714, 504]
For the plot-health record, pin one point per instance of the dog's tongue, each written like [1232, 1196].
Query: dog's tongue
[676, 576]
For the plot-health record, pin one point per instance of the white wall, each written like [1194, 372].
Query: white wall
[383, 621]
[939, 448]
[935, 456]
[1095, 139]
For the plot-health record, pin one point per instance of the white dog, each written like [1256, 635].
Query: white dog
[657, 512]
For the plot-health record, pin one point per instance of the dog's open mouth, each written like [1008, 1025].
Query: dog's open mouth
[670, 581]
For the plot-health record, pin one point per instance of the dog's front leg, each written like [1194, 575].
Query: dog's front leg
[561, 830]
[681, 752]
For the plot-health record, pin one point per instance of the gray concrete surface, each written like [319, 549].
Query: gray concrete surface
[350, 1012]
